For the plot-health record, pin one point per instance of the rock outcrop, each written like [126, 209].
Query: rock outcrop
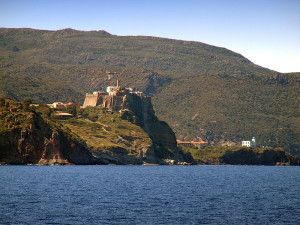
[27, 138]
[52, 152]
[251, 156]
[139, 110]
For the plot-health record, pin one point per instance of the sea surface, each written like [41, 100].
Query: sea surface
[149, 195]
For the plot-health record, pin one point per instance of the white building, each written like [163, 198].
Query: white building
[251, 143]
[110, 89]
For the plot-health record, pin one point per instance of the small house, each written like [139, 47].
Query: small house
[251, 143]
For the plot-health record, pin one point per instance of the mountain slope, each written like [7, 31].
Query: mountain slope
[200, 90]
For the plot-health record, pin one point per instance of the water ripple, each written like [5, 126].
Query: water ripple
[149, 195]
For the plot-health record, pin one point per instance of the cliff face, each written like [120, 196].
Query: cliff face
[26, 138]
[159, 131]
[138, 109]
[163, 137]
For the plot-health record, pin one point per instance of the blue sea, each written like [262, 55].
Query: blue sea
[149, 195]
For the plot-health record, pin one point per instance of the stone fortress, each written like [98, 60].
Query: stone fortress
[138, 109]
[115, 98]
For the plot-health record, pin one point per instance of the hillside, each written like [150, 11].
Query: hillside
[202, 91]
[33, 135]
[26, 137]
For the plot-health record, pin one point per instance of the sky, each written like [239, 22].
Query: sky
[267, 32]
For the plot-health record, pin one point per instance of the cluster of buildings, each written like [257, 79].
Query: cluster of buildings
[62, 106]
[61, 109]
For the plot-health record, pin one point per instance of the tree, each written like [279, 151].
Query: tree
[72, 109]
[44, 110]
[2, 102]
[26, 103]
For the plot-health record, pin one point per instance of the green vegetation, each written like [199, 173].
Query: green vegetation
[2, 102]
[26, 103]
[44, 110]
[109, 138]
[208, 155]
[243, 156]
[108, 134]
[103, 130]
[199, 90]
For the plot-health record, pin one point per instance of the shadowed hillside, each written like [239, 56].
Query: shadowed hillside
[200, 90]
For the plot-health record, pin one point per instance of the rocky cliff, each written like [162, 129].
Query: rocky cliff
[139, 110]
[27, 138]
[132, 136]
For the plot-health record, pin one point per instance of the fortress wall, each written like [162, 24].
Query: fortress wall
[100, 100]
[90, 100]
[107, 101]
[114, 103]
[117, 103]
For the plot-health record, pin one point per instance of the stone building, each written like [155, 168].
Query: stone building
[58, 105]
[115, 98]
[62, 106]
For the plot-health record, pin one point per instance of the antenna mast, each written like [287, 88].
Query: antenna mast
[109, 76]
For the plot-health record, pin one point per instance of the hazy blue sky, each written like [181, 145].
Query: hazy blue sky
[267, 32]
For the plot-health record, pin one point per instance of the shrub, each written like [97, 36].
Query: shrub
[44, 110]
[93, 117]
[26, 103]
[72, 110]
[2, 102]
